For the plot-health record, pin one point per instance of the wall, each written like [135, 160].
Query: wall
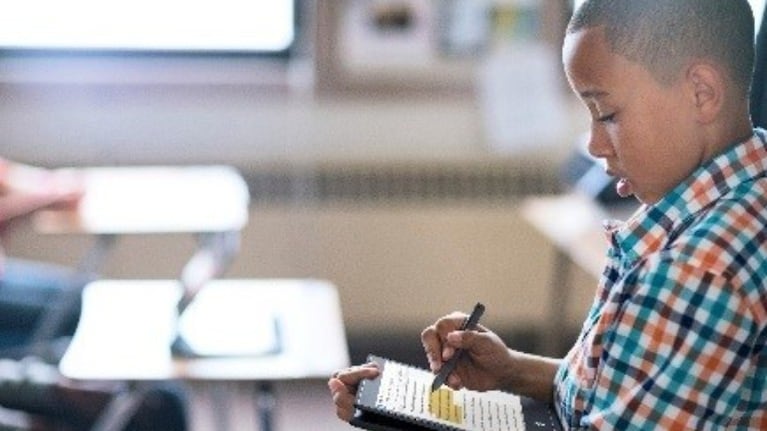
[86, 125]
[95, 125]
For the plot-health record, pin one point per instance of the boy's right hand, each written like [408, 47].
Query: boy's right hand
[486, 364]
[343, 387]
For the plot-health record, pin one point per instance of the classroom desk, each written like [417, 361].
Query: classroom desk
[153, 199]
[209, 201]
[290, 329]
[126, 331]
[127, 328]
[573, 223]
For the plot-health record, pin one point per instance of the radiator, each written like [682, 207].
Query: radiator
[404, 182]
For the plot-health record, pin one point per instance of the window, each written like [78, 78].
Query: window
[252, 26]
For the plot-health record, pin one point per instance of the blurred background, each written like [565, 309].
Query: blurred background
[387, 144]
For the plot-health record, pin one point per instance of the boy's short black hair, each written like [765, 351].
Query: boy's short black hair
[663, 35]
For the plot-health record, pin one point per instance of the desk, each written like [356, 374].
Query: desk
[127, 328]
[210, 202]
[125, 336]
[153, 199]
[573, 224]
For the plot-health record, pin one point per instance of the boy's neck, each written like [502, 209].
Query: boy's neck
[732, 129]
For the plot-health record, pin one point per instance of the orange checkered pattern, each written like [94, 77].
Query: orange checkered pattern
[677, 335]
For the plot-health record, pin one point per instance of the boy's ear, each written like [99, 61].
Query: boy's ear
[707, 87]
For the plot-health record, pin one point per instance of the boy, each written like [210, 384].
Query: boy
[675, 338]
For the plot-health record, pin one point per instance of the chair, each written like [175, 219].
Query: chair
[36, 389]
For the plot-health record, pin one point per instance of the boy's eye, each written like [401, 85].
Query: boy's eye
[609, 118]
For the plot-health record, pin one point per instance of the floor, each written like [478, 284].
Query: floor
[298, 406]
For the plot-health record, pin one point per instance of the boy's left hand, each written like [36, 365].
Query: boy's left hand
[343, 387]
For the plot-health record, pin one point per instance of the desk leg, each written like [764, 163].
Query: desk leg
[94, 258]
[120, 409]
[559, 294]
[221, 398]
[265, 402]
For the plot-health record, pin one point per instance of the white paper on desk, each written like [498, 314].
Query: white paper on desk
[122, 333]
[230, 321]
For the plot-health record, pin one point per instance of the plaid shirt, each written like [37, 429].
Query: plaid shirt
[677, 335]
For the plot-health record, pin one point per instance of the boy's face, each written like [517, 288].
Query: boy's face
[643, 130]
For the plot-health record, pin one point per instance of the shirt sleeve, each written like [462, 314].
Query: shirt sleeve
[676, 352]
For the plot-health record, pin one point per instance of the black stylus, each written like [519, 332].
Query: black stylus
[448, 367]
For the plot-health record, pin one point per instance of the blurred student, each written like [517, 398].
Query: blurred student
[30, 289]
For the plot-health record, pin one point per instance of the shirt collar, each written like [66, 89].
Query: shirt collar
[649, 228]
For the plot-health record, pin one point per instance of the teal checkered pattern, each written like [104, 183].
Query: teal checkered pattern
[676, 337]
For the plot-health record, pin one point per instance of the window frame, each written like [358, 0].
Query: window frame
[23, 65]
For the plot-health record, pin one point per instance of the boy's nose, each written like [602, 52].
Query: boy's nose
[599, 145]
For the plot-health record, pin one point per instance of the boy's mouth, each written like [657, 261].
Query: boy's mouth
[624, 188]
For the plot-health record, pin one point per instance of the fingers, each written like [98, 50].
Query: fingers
[464, 340]
[343, 387]
[454, 381]
[461, 339]
[434, 339]
[68, 183]
[343, 399]
[351, 376]
[432, 345]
